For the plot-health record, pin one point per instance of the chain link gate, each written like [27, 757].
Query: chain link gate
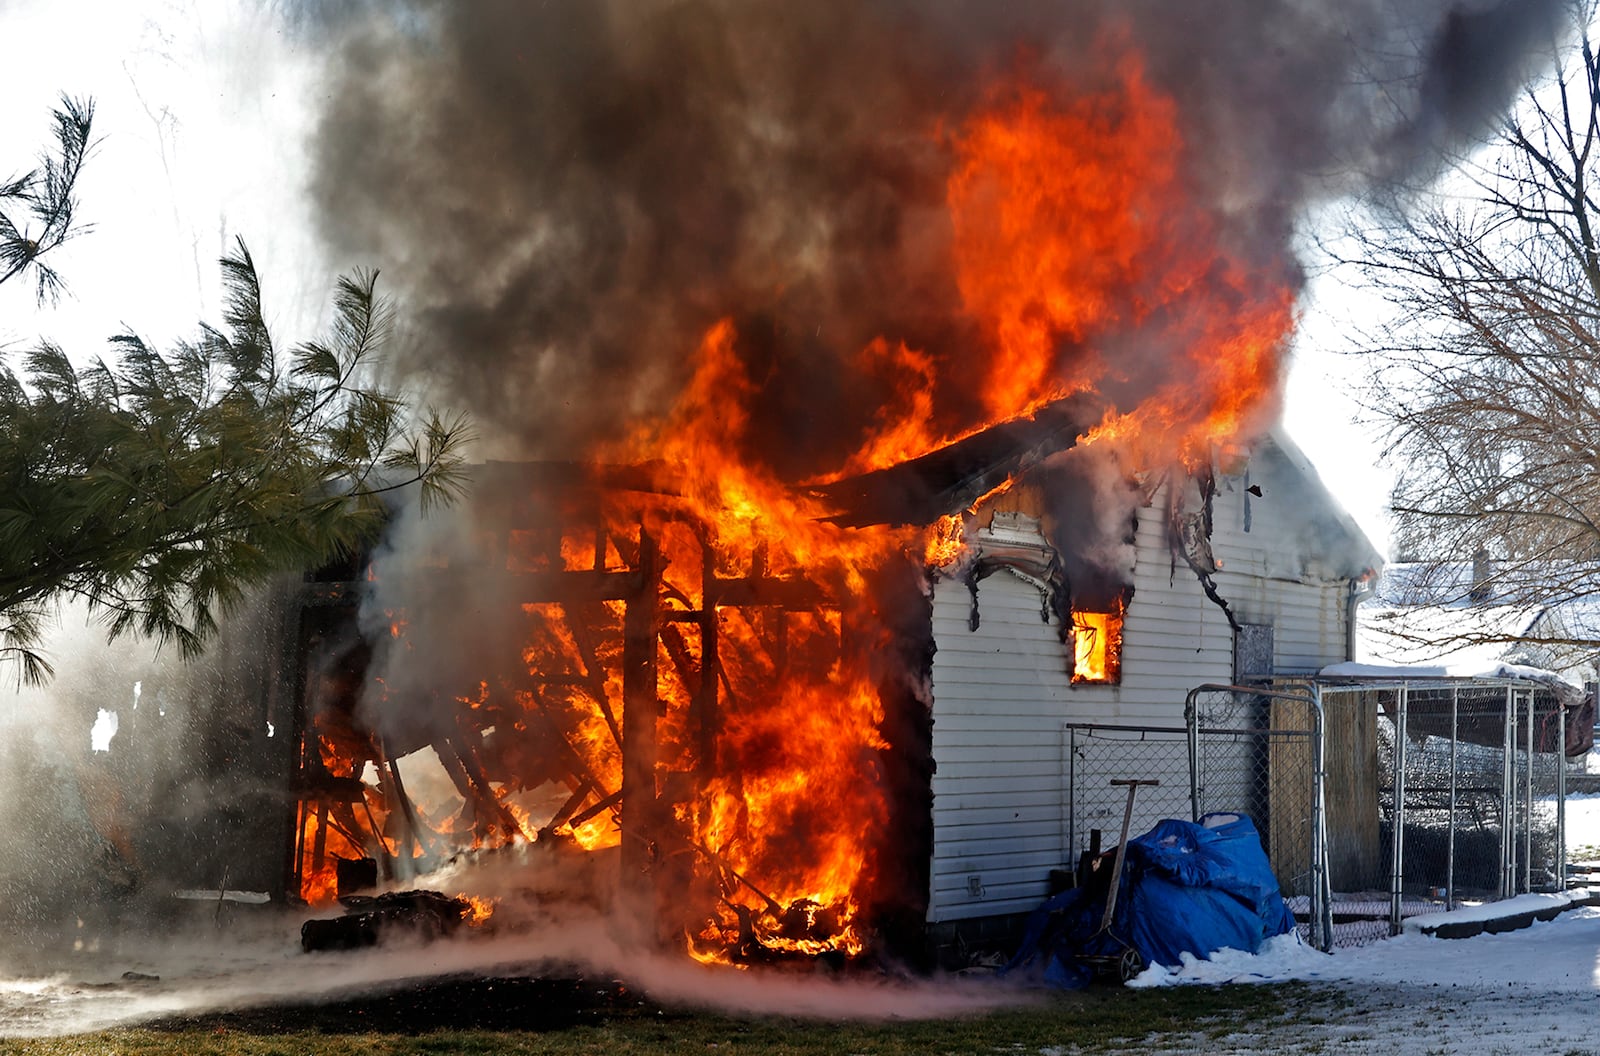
[1094, 756]
[1258, 751]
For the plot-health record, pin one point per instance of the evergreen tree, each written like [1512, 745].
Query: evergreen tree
[159, 487]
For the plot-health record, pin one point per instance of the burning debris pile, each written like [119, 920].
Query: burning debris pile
[688, 701]
[371, 918]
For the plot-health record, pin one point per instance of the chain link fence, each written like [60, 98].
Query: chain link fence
[1374, 801]
[1096, 755]
[1440, 794]
[1245, 751]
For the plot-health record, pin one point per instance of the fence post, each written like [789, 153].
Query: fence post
[1398, 826]
[1191, 721]
[1321, 895]
[1561, 797]
[1527, 807]
[1068, 858]
[1450, 834]
[1507, 792]
[1070, 734]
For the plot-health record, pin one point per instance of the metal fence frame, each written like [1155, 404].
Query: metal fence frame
[1517, 706]
[1269, 721]
[1257, 720]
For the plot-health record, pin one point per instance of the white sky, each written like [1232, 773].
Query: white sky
[1323, 412]
[202, 139]
[199, 140]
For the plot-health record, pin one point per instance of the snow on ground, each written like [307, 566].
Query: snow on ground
[1534, 990]
[1560, 955]
[1583, 820]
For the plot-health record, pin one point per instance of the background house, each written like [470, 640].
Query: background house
[1461, 617]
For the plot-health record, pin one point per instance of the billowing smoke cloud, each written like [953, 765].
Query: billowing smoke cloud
[570, 193]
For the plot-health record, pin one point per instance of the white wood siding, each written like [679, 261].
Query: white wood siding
[998, 792]
[1002, 694]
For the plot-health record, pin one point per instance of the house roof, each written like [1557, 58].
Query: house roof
[954, 477]
[1455, 636]
[921, 490]
[1279, 466]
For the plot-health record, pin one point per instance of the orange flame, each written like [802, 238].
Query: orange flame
[784, 809]
[1071, 223]
[1096, 646]
[1076, 238]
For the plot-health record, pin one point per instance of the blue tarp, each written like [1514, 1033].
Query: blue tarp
[1185, 888]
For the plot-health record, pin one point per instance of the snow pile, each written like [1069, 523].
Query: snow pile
[1281, 957]
[1486, 911]
[1562, 955]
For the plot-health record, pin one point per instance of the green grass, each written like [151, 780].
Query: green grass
[1095, 1021]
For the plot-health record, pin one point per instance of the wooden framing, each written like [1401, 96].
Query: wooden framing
[666, 633]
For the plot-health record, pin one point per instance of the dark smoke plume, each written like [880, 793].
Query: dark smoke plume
[569, 193]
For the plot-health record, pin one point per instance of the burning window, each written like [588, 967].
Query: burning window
[1097, 646]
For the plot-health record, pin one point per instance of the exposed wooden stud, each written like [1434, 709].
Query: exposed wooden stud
[574, 801]
[319, 846]
[580, 769]
[640, 752]
[704, 713]
[780, 642]
[593, 672]
[682, 659]
[486, 800]
[408, 810]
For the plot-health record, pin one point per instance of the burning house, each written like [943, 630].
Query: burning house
[767, 737]
[865, 393]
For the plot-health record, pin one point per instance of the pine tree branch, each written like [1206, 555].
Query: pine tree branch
[158, 487]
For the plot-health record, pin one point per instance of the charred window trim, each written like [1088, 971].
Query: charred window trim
[1043, 578]
[1017, 546]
